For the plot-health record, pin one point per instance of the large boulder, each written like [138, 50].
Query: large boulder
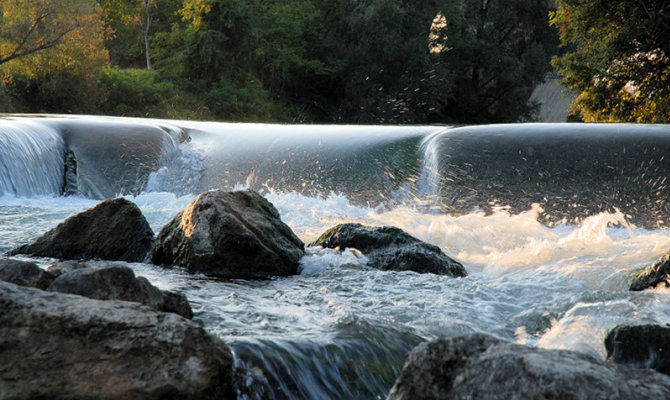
[653, 275]
[390, 248]
[117, 282]
[482, 367]
[113, 230]
[60, 346]
[640, 346]
[24, 273]
[230, 235]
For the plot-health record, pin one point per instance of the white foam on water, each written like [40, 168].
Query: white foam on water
[560, 287]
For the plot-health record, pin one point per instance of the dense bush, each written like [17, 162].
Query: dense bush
[54, 92]
[135, 92]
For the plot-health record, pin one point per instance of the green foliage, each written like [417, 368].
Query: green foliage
[364, 61]
[618, 58]
[54, 92]
[246, 102]
[123, 18]
[134, 92]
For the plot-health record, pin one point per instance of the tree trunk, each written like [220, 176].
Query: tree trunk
[147, 26]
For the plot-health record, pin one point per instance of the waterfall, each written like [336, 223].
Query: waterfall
[569, 170]
[31, 158]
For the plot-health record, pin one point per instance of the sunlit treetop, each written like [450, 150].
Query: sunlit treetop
[617, 58]
[43, 35]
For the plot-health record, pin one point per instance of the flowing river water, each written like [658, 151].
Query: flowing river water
[550, 221]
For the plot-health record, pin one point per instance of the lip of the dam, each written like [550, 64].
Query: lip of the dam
[106, 157]
[570, 170]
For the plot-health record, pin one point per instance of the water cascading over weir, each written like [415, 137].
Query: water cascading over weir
[569, 170]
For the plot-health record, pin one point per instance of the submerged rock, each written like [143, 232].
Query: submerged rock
[640, 346]
[113, 230]
[653, 275]
[390, 248]
[230, 235]
[24, 273]
[117, 282]
[60, 346]
[482, 367]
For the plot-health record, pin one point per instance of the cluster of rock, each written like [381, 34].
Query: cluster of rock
[232, 235]
[62, 346]
[83, 329]
[101, 282]
[94, 329]
[390, 248]
[482, 367]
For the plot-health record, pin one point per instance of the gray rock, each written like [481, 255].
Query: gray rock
[390, 248]
[59, 346]
[640, 346]
[229, 235]
[116, 282]
[113, 230]
[482, 367]
[64, 267]
[653, 275]
[24, 273]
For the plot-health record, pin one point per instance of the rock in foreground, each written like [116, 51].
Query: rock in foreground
[653, 275]
[390, 248]
[60, 346]
[230, 235]
[482, 367]
[113, 230]
[24, 273]
[117, 282]
[640, 346]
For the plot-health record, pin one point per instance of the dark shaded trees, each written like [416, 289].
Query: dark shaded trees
[496, 52]
[364, 61]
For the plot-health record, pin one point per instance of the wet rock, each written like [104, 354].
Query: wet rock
[113, 230]
[640, 346]
[390, 248]
[24, 273]
[482, 367]
[60, 346]
[116, 282]
[653, 275]
[229, 235]
[64, 267]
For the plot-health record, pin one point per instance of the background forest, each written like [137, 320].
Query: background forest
[353, 61]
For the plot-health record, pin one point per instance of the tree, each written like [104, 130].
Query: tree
[617, 58]
[28, 27]
[148, 5]
[496, 52]
[50, 50]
